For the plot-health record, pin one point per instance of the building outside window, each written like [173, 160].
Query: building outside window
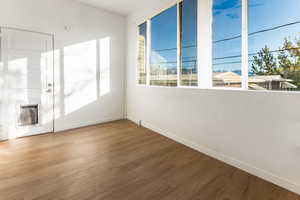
[163, 60]
[227, 43]
[188, 43]
[274, 45]
[142, 51]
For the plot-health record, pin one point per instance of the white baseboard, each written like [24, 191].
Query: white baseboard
[280, 181]
[69, 126]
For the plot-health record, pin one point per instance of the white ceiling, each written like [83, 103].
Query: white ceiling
[122, 7]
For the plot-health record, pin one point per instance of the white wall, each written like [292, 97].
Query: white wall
[85, 24]
[255, 131]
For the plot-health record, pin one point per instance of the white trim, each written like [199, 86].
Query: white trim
[179, 64]
[148, 47]
[159, 11]
[245, 64]
[198, 44]
[205, 51]
[137, 75]
[204, 46]
[273, 178]
[229, 89]
[26, 30]
[3, 75]
[137, 72]
[71, 126]
[68, 126]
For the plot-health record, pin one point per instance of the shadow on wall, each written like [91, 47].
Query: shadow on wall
[82, 77]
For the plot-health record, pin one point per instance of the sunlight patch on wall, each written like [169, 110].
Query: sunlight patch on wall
[80, 82]
[104, 65]
[17, 73]
[16, 93]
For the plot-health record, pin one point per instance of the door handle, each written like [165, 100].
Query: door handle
[48, 91]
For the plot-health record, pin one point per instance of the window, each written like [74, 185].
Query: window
[251, 44]
[163, 61]
[142, 70]
[227, 45]
[274, 45]
[188, 34]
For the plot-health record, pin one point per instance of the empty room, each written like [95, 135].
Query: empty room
[149, 100]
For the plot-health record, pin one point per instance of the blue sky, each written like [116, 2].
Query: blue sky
[166, 22]
[263, 14]
[226, 24]
[164, 38]
[189, 34]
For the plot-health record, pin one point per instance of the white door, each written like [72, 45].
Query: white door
[27, 83]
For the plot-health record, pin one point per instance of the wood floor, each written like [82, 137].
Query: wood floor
[120, 161]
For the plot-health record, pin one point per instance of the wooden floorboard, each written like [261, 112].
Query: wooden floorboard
[121, 161]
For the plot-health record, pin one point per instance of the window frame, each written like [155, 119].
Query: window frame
[204, 66]
[177, 44]
[138, 54]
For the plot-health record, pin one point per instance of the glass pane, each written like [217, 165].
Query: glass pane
[142, 71]
[274, 45]
[163, 62]
[227, 27]
[189, 43]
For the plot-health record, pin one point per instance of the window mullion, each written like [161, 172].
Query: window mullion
[245, 64]
[148, 56]
[178, 44]
[204, 41]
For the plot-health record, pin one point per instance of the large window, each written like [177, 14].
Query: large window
[242, 44]
[227, 44]
[142, 70]
[163, 61]
[188, 33]
[274, 44]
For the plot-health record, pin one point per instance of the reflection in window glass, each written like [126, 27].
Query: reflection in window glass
[227, 26]
[274, 45]
[188, 32]
[163, 61]
[142, 53]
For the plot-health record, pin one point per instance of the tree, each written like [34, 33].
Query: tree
[286, 63]
[264, 63]
[289, 60]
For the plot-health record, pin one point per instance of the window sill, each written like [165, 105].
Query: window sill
[219, 89]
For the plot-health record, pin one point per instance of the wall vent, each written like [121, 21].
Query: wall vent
[29, 115]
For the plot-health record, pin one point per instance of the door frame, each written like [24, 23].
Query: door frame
[53, 71]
